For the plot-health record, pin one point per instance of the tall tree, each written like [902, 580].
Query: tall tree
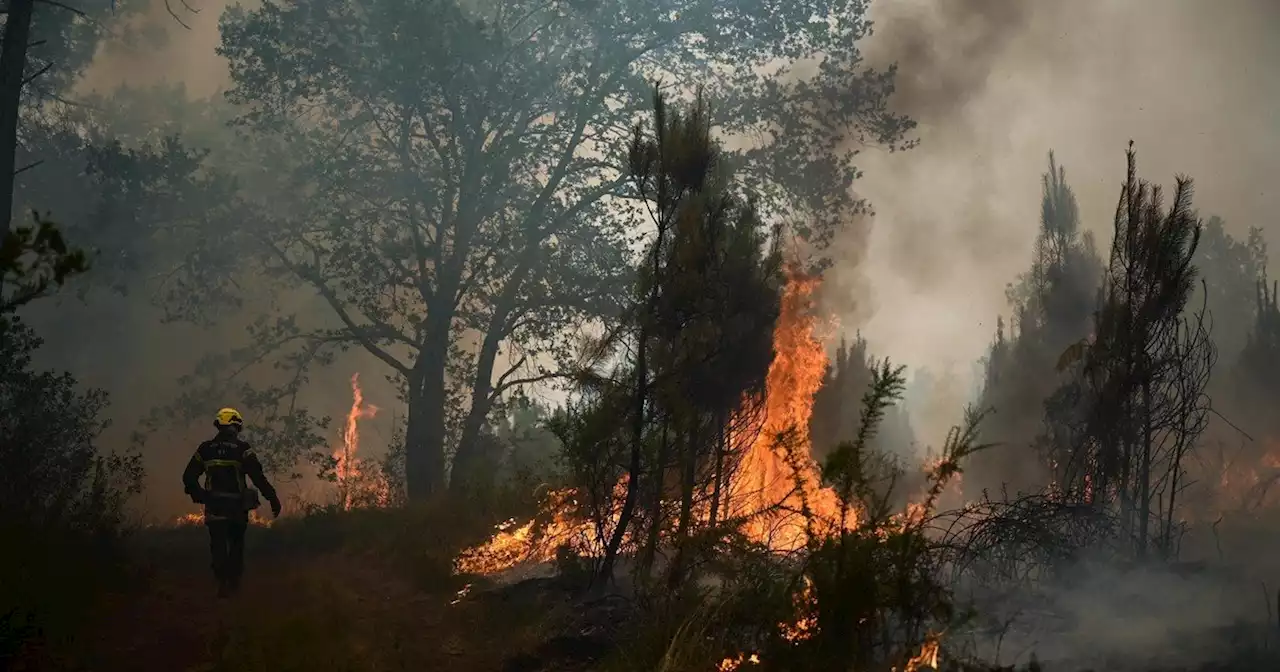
[1257, 368]
[41, 54]
[1052, 303]
[462, 165]
[1231, 269]
[836, 405]
[1139, 390]
[698, 336]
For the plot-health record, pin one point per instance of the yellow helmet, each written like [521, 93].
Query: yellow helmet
[228, 417]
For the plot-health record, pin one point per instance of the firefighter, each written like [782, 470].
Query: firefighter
[225, 461]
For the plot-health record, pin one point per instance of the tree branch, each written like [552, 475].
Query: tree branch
[358, 332]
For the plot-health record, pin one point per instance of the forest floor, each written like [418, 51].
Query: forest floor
[384, 602]
[359, 591]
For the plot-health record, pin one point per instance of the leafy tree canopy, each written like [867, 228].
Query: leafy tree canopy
[461, 166]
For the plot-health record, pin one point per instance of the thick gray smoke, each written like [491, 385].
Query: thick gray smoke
[994, 86]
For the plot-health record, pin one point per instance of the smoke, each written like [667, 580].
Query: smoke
[994, 85]
[171, 43]
[135, 357]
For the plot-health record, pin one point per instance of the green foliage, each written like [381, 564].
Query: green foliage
[62, 499]
[693, 347]
[837, 404]
[1135, 406]
[877, 594]
[33, 259]
[866, 597]
[531, 451]
[65, 37]
[494, 136]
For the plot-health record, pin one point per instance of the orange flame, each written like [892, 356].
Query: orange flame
[782, 475]
[928, 655]
[348, 463]
[775, 481]
[736, 662]
[805, 624]
[197, 518]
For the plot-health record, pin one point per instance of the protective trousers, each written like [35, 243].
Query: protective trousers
[226, 544]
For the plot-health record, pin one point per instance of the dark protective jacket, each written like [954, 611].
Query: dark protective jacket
[225, 461]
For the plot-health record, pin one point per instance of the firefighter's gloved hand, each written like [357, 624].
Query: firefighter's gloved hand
[198, 496]
[275, 508]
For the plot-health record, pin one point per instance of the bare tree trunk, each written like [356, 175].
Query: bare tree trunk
[655, 496]
[637, 450]
[718, 476]
[466, 462]
[688, 476]
[1144, 504]
[1167, 533]
[425, 432]
[13, 63]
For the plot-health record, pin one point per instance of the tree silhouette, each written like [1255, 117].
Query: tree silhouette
[1052, 304]
[1137, 405]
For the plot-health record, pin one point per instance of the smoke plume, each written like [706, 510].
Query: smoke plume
[994, 85]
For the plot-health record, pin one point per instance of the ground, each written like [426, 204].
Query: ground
[362, 604]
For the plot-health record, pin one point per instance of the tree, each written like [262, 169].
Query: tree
[1137, 404]
[1231, 270]
[1052, 304]
[59, 492]
[835, 406]
[1257, 369]
[41, 54]
[698, 336]
[462, 166]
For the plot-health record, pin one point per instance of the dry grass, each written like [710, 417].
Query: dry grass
[365, 590]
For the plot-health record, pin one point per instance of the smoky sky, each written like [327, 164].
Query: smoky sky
[994, 86]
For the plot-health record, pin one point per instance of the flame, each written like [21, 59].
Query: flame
[538, 539]
[775, 481]
[736, 662]
[1245, 482]
[928, 655]
[197, 518]
[351, 480]
[805, 624]
[770, 477]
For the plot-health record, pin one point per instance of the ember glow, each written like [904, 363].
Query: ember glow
[1245, 482]
[737, 662]
[197, 518]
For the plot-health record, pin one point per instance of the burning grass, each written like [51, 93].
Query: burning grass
[818, 532]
